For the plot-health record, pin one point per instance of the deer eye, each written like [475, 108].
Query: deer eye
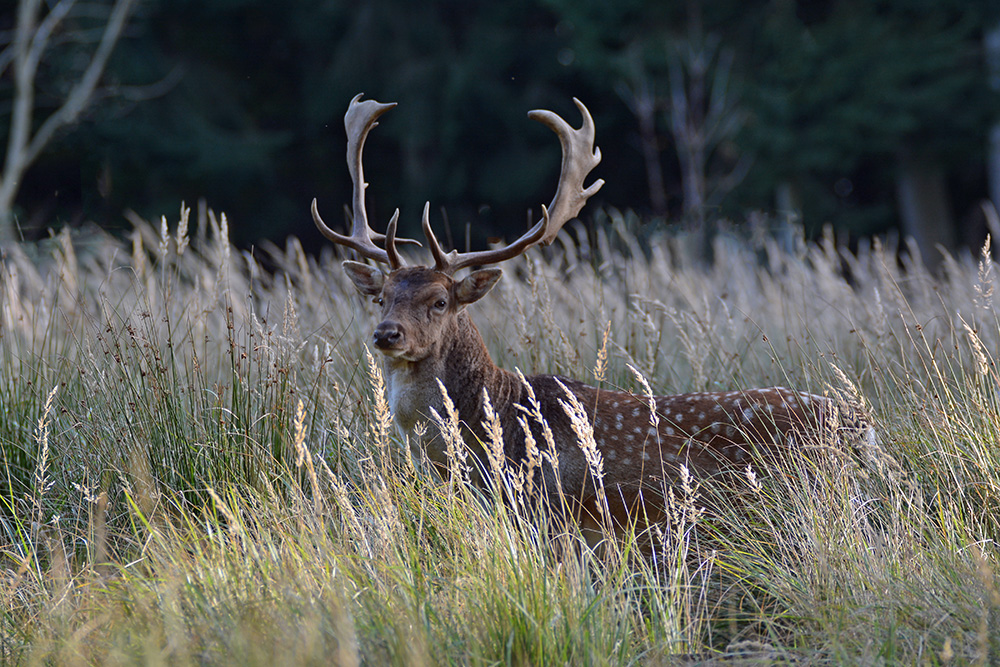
[379, 300]
[440, 304]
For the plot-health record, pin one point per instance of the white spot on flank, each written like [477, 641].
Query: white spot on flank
[716, 427]
[615, 405]
[635, 413]
[701, 416]
[618, 426]
[645, 456]
[747, 414]
[669, 430]
[730, 431]
[611, 455]
[678, 417]
[626, 462]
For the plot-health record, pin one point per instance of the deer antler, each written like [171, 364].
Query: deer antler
[360, 118]
[579, 157]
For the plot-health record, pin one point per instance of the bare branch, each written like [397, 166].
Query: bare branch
[42, 34]
[30, 42]
[80, 94]
[639, 95]
[141, 93]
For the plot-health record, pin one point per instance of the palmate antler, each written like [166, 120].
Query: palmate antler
[360, 118]
[579, 157]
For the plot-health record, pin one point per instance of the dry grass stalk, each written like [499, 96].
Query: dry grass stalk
[303, 455]
[382, 423]
[495, 442]
[451, 432]
[601, 365]
[584, 430]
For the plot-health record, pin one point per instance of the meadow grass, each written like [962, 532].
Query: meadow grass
[199, 465]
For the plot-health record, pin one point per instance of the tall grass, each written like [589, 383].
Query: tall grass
[199, 466]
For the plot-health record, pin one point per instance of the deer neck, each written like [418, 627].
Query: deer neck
[462, 364]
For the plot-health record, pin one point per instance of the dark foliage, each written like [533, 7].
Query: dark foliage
[240, 102]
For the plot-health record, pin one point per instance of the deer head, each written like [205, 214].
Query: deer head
[419, 303]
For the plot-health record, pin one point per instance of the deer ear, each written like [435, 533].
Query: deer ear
[476, 285]
[368, 279]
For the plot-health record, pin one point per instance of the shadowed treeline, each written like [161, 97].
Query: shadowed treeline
[865, 116]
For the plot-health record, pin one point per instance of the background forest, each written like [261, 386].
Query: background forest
[871, 116]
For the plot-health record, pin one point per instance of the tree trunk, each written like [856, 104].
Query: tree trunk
[991, 47]
[924, 207]
[789, 214]
[7, 211]
[645, 113]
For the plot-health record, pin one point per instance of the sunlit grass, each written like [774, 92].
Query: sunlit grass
[199, 465]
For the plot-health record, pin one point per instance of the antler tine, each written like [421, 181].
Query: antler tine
[360, 118]
[441, 259]
[390, 243]
[579, 157]
[454, 261]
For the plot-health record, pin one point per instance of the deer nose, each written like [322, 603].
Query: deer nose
[387, 335]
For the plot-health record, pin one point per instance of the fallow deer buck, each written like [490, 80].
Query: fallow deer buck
[430, 343]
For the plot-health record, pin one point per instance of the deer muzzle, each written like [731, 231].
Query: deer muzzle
[388, 335]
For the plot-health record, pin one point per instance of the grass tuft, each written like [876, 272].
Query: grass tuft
[199, 464]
